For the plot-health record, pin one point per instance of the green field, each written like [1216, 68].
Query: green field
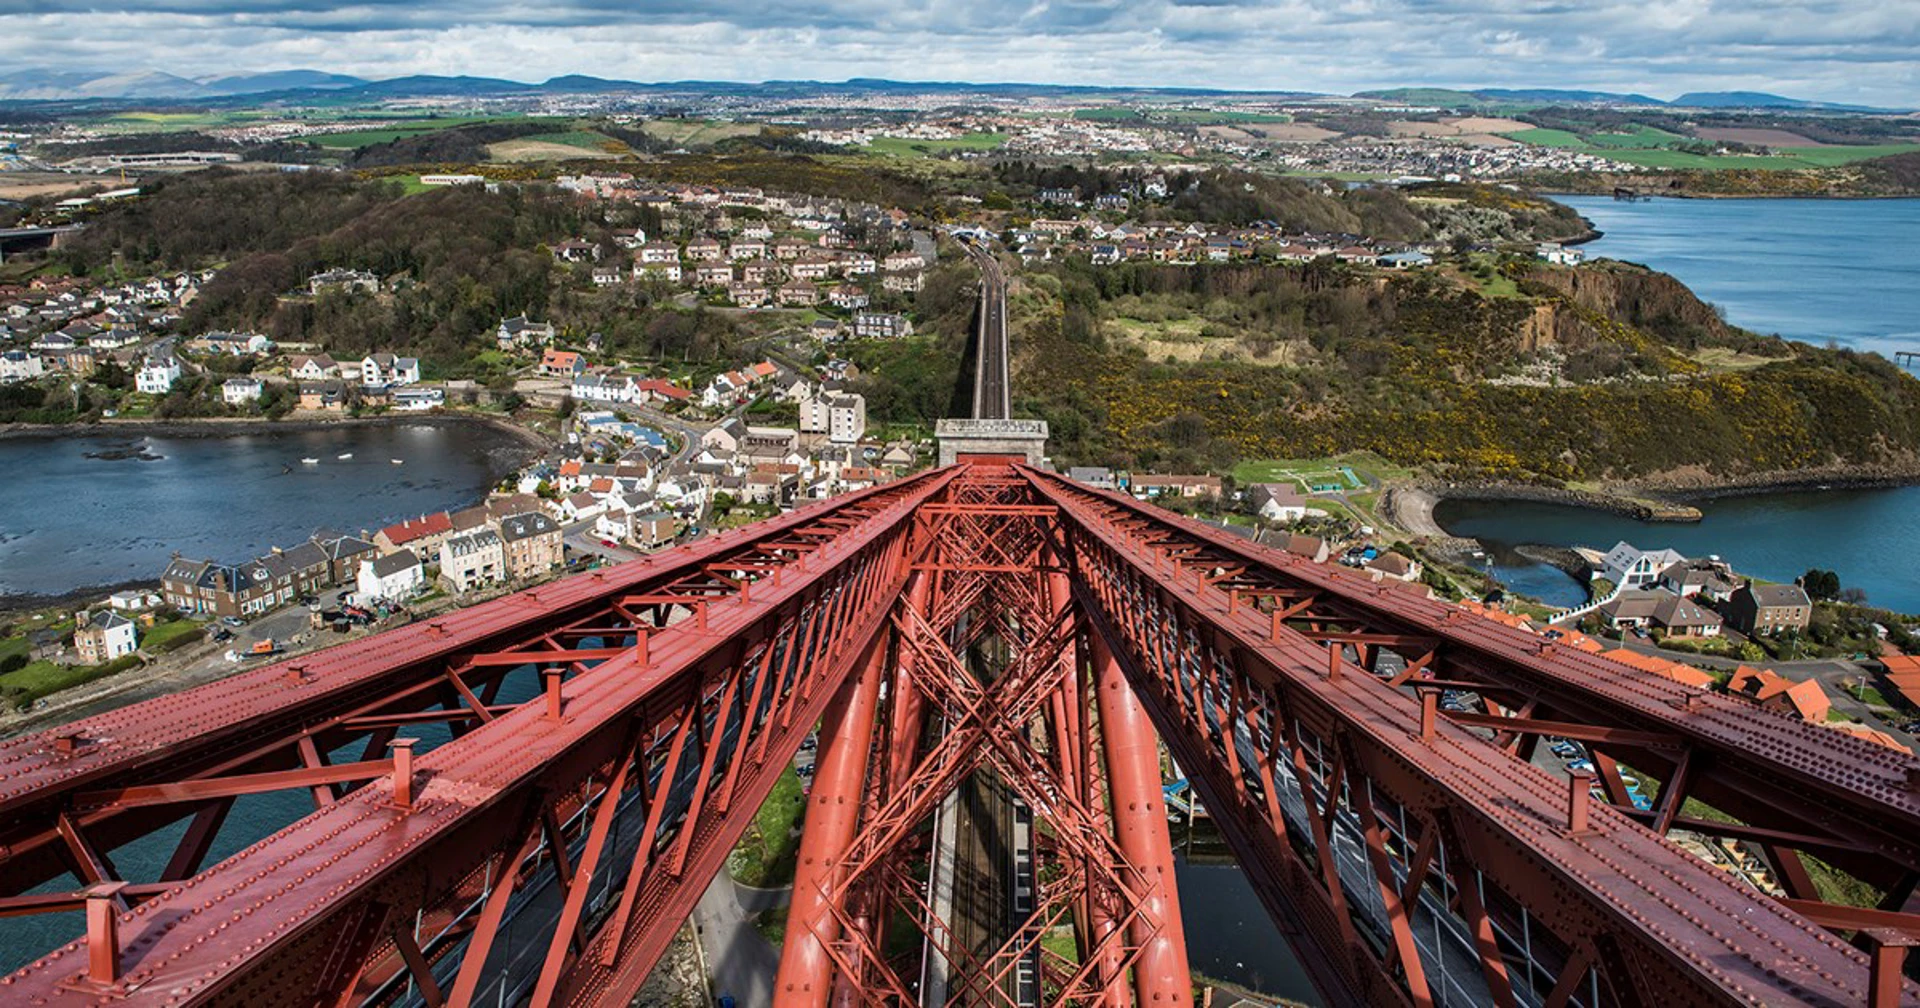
[366, 138]
[1188, 117]
[903, 147]
[171, 122]
[1652, 148]
[1364, 464]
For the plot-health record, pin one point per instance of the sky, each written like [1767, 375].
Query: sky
[1856, 51]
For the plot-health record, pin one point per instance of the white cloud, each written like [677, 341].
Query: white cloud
[1839, 50]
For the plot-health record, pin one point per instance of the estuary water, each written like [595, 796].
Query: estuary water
[1846, 271]
[101, 509]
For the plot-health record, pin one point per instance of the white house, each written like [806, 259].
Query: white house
[157, 376]
[1630, 567]
[241, 390]
[103, 635]
[1279, 502]
[419, 400]
[385, 369]
[397, 575]
[20, 365]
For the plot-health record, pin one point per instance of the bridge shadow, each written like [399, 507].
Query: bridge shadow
[961, 405]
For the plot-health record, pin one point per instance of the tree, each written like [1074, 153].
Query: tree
[1820, 584]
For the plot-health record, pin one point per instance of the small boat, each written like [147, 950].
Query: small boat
[397, 461]
[344, 456]
[309, 461]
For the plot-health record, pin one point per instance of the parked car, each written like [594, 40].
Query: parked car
[233, 621]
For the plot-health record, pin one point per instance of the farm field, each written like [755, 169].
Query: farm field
[904, 147]
[698, 132]
[368, 137]
[1652, 148]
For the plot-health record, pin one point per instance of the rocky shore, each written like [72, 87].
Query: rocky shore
[1411, 507]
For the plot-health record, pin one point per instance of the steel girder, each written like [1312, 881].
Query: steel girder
[552, 852]
[1415, 860]
[61, 807]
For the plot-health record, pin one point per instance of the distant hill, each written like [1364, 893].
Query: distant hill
[280, 80]
[1444, 97]
[1557, 96]
[1761, 99]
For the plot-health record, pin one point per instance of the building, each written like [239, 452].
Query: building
[1708, 577]
[392, 577]
[104, 635]
[1660, 609]
[1175, 486]
[1804, 700]
[1630, 567]
[1098, 477]
[520, 331]
[1768, 609]
[240, 391]
[653, 529]
[157, 375]
[1396, 566]
[880, 325]
[20, 365]
[312, 367]
[386, 369]
[846, 418]
[1280, 502]
[424, 533]
[343, 280]
[532, 542]
[473, 560]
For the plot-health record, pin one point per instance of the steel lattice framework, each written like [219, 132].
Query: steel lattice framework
[599, 744]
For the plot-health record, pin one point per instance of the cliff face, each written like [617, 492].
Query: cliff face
[1641, 298]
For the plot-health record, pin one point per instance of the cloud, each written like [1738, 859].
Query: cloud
[1837, 50]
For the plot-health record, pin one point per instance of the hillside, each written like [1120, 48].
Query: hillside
[1510, 371]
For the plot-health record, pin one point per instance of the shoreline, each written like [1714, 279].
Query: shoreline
[528, 446]
[1411, 506]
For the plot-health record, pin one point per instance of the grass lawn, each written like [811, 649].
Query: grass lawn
[1278, 470]
[368, 137]
[904, 147]
[1548, 138]
[765, 856]
[1060, 942]
[1639, 136]
[164, 632]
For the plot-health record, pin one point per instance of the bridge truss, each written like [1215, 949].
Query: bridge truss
[521, 802]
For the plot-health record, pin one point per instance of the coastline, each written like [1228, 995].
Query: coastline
[1411, 506]
[528, 445]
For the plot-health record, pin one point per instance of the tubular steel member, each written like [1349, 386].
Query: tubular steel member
[586, 838]
[806, 975]
[208, 744]
[1397, 858]
[1160, 976]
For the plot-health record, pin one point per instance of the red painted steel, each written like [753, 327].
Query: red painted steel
[1020, 625]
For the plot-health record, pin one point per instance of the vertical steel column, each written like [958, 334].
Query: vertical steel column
[833, 814]
[1160, 974]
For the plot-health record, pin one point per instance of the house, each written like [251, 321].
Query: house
[1174, 486]
[880, 325]
[747, 248]
[416, 400]
[343, 553]
[562, 364]
[395, 576]
[705, 250]
[653, 529]
[1098, 477]
[473, 560]
[386, 369]
[157, 375]
[134, 599]
[1708, 577]
[660, 252]
[343, 280]
[848, 297]
[317, 367]
[1674, 615]
[1804, 700]
[713, 274]
[330, 396]
[1630, 567]
[1394, 565]
[1558, 254]
[104, 635]
[1307, 547]
[725, 436]
[811, 268]
[574, 250]
[532, 542]
[1686, 675]
[1279, 502]
[424, 533]
[668, 272]
[241, 390]
[1405, 260]
[747, 295]
[799, 294]
[904, 281]
[520, 331]
[659, 390]
[902, 261]
[20, 365]
[1768, 609]
[607, 276]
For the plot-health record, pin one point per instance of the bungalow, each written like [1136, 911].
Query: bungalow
[659, 390]
[1405, 260]
[562, 364]
[1674, 615]
[1394, 565]
[1174, 486]
[419, 399]
[1280, 502]
[1307, 547]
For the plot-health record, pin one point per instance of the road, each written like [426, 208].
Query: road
[740, 961]
[991, 382]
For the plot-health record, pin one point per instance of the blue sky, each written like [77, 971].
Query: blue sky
[1865, 51]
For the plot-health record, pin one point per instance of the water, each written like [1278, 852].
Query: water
[1230, 936]
[1867, 536]
[70, 521]
[1814, 270]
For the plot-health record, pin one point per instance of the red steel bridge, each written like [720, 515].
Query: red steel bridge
[521, 802]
